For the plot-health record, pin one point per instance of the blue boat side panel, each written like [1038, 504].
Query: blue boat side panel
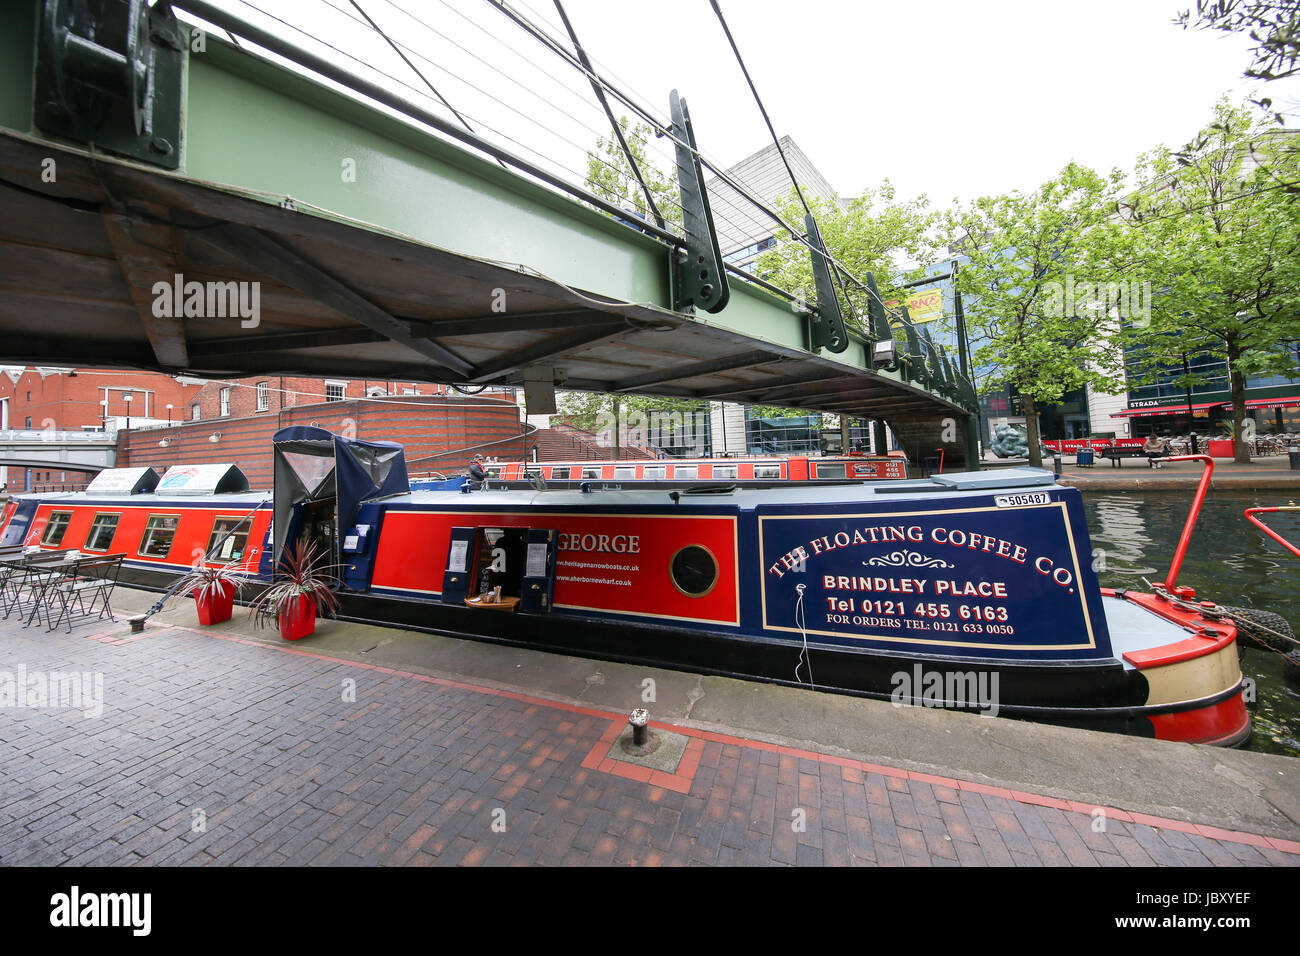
[358, 546]
[1004, 576]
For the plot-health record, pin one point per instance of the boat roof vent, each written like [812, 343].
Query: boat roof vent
[202, 480]
[123, 481]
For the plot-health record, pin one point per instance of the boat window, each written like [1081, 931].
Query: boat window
[101, 532]
[626, 471]
[694, 570]
[159, 534]
[493, 471]
[591, 472]
[830, 471]
[685, 471]
[725, 471]
[653, 472]
[58, 526]
[531, 473]
[767, 471]
[232, 548]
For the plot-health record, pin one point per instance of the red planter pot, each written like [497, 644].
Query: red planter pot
[217, 605]
[300, 622]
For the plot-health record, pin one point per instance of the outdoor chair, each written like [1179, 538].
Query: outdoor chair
[29, 589]
[86, 593]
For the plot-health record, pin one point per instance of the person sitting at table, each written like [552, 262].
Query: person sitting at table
[1154, 448]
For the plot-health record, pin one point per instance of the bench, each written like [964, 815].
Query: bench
[1117, 455]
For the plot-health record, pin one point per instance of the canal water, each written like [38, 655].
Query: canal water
[1229, 561]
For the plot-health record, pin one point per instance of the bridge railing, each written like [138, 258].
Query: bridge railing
[55, 437]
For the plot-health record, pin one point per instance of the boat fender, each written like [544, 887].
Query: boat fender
[1291, 669]
[1263, 629]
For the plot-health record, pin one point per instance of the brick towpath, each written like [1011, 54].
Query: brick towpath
[217, 748]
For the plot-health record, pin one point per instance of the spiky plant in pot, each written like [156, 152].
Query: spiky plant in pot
[302, 588]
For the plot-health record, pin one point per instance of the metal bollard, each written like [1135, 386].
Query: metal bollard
[1294, 454]
[1056, 463]
[638, 720]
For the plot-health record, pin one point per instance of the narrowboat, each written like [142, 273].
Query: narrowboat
[972, 591]
[749, 472]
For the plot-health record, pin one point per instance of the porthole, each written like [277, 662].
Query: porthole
[694, 570]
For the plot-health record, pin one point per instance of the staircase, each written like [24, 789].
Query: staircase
[566, 443]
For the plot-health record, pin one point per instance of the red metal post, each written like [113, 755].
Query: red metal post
[940, 451]
[1250, 516]
[1181, 551]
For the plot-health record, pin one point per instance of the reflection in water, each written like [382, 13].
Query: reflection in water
[1229, 561]
[1118, 533]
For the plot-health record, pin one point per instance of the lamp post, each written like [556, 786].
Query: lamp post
[127, 398]
[169, 413]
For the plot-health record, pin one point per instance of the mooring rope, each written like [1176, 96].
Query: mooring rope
[803, 654]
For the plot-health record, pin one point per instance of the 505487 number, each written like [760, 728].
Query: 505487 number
[1028, 498]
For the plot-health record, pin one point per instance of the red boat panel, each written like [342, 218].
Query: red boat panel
[612, 563]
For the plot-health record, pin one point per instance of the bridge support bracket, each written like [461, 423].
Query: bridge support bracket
[108, 74]
[699, 280]
[826, 325]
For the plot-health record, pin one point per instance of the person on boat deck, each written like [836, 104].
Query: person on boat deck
[477, 473]
[1155, 447]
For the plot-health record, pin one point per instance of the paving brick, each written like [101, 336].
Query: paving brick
[287, 774]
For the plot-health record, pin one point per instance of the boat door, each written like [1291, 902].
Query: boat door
[318, 527]
[518, 561]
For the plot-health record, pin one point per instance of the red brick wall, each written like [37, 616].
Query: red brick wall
[450, 427]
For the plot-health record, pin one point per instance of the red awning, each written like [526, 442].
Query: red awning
[1164, 410]
[1273, 402]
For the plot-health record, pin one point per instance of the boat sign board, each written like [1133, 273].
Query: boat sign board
[123, 481]
[202, 480]
[985, 578]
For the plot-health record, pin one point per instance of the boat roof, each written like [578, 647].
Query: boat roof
[965, 484]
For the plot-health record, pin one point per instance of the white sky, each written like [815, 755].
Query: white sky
[948, 98]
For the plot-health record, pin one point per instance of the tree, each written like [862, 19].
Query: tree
[866, 234]
[641, 419]
[610, 176]
[1274, 25]
[1224, 240]
[1047, 270]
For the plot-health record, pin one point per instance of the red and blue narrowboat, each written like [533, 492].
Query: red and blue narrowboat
[973, 591]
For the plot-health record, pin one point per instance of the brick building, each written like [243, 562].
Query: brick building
[439, 432]
[168, 420]
[69, 399]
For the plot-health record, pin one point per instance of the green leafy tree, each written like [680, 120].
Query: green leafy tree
[610, 176]
[1224, 241]
[1274, 25]
[639, 418]
[1044, 268]
[871, 233]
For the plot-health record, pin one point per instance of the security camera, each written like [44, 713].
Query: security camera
[884, 354]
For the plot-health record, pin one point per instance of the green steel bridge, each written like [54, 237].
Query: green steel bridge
[153, 171]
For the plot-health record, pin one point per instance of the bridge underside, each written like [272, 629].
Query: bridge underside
[79, 260]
